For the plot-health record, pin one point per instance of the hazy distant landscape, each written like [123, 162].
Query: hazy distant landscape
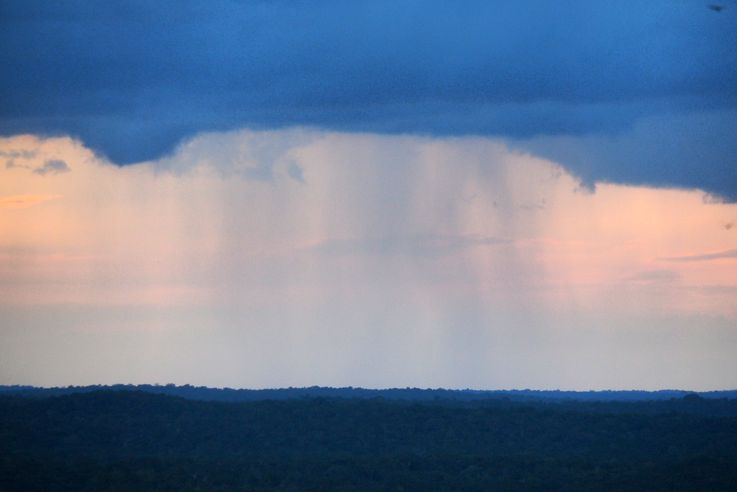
[412, 394]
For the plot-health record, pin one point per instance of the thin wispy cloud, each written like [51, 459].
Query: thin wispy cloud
[731, 253]
[408, 245]
[25, 201]
[655, 277]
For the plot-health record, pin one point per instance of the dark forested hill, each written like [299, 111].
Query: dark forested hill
[123, 440]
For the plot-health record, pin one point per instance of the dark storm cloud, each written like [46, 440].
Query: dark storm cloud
[688, 150]
[131, 79]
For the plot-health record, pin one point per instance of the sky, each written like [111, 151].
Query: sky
[379, 194]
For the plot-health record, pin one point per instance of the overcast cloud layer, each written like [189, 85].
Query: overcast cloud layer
[630, 92]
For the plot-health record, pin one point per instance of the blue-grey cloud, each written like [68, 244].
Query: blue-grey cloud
[296, 173]
[52, 166]
[132, 79]
[18, 154]
[13, 156]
